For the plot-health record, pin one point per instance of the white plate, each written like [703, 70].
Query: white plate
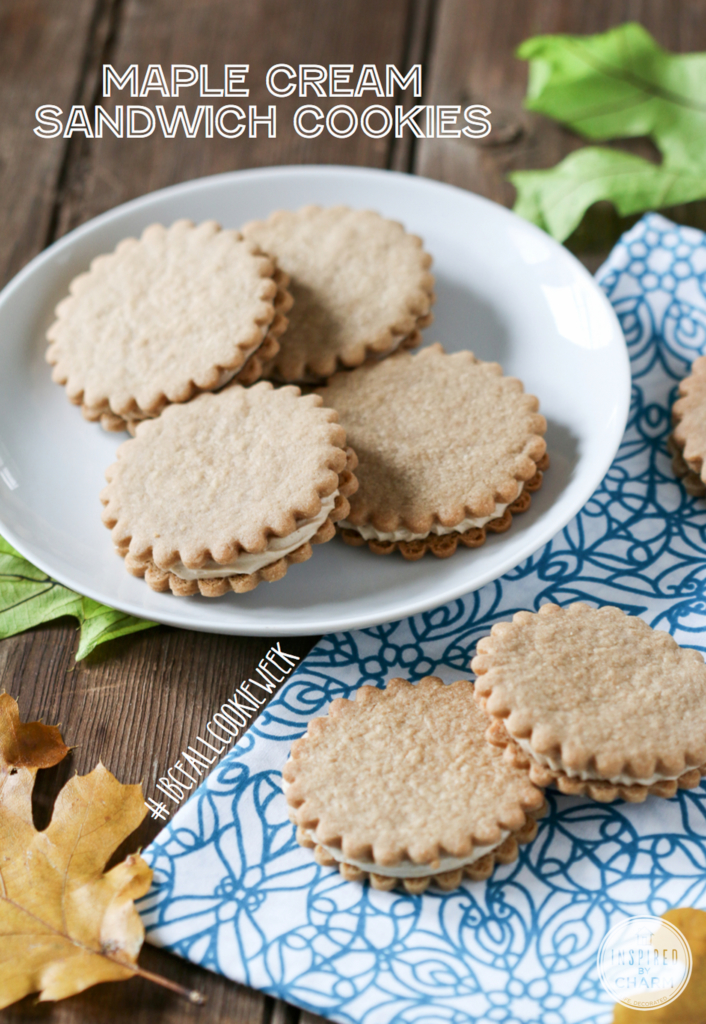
[505, 290]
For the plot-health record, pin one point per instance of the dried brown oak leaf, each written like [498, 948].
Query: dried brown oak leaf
[26, 744]
[65, 923]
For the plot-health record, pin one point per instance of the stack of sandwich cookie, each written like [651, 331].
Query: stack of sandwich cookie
[593, 701]
[688, 440]
[177, 312]
[361, 286]
[399, 787]
[228, 490]
[449, 449]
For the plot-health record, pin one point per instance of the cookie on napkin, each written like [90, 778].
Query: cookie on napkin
[688, 440]
[595, 702]
[448, 450]
[178, 311]
[228, 490]
[399, 787]
[361, 286]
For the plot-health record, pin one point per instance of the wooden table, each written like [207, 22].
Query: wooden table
[138, 701]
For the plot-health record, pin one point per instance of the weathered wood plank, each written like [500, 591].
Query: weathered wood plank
[472, 61]
[42, 45]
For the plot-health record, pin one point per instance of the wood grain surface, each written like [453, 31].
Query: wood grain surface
[137, 701]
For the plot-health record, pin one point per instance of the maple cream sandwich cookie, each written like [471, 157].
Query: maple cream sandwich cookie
[361, 286]
[178, 311]
[594, 701]
[688, 440]
[399, 787]
[448, 450]
[228, 490]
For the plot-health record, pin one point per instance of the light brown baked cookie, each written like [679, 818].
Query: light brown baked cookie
[398, 786]
[228, 490]
[594, 701]
[448, 449]
[688, 441]
[361, 286]
[178, 311]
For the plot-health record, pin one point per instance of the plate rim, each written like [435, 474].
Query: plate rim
[345, 621]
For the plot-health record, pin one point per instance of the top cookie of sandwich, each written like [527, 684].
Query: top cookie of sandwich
[361, 287]
[178, 311]
[596, 694]
[439, 438]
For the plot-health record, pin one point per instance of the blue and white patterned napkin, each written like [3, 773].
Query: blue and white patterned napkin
[236, 894]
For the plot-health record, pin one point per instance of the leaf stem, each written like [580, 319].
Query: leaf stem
[190, 994]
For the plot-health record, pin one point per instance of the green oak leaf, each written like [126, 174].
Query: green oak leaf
[621, 84]
[557, 199]
[29, 597]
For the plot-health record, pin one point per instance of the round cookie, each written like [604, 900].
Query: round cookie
[178, 311]
[448, 449]
[688, 440]
[594, 701]
[361, 286]
[399, 787]
[228, 490]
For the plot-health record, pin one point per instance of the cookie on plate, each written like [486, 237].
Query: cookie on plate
[178, 311]
[595, 702]
[448, 450]
[398, 786]
[361, 286]
[688, 440]
[228, 490]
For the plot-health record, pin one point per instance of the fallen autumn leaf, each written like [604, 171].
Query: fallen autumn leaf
[65, 923]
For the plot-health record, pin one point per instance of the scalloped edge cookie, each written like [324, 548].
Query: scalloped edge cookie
[243, 480]
[406, 502]
[92, 301]
[583, 745]
[687, 442]
[379, 852]
[337, 322]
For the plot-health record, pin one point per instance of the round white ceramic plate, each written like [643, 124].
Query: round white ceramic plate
[505, 290]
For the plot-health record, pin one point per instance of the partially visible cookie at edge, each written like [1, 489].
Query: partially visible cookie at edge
[398, 787]
[687, 443]
[595, 702]
[178, 311]
[361, 286]
[449, 449]
[228, 490]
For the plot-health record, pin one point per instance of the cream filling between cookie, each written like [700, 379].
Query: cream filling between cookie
[370, 533]
[407, 868]
[277, 548]
[584, 775]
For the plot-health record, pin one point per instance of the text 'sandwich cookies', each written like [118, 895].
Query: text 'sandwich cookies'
[448, 450]
[361, 286]
[595, 702]
[178, 311]
[400, 788]
[228, 490]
